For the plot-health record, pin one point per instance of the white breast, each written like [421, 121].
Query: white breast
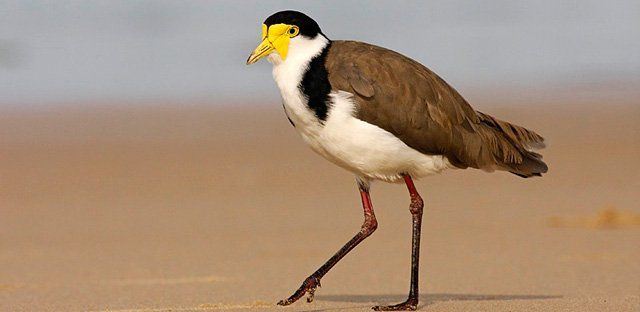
[368, 150]
[360, 147]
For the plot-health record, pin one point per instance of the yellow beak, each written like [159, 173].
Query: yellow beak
[264, 49]
[277, 38]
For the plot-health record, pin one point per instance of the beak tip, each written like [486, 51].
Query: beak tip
[250, 60]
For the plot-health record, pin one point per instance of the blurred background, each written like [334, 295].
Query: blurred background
[145, 167]
[57, 51]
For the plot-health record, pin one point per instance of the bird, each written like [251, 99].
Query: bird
[384, 117]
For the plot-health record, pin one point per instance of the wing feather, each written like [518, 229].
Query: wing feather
[405, 98]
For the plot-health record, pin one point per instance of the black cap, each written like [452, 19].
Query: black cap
[308, 27]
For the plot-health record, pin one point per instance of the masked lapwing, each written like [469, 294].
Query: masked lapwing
[382, 116]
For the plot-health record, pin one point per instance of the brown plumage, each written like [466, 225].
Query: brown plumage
[405, 98]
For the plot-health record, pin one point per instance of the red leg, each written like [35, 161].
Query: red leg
[415, 208]
[368, 226]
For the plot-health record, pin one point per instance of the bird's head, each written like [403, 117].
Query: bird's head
[283, 30]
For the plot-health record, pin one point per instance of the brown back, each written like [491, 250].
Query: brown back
[405, 98]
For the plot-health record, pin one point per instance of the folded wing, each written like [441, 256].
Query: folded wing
[405, 98]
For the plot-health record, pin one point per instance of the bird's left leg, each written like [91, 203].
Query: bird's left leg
[368, 226]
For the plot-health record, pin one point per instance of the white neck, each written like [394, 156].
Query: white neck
[288, 73]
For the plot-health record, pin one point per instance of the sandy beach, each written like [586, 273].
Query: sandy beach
[176, 207]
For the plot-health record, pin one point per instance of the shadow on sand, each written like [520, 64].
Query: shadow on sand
[427, 299]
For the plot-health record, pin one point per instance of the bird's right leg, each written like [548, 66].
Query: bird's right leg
[416, 207]
[368, 226]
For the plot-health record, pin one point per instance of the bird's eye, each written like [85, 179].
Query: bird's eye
[293, 31]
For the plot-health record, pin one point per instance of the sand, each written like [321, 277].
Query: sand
[175, 207]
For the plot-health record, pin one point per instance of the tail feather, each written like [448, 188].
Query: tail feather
[531, 166]
[519, 135]
[512, 146]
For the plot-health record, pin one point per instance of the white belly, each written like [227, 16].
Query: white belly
[360, 147]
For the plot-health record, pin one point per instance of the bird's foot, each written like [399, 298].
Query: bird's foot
[308, 286]
[410, 305]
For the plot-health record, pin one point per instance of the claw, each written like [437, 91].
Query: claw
[409, 305]
[308, 286]
[311, 293]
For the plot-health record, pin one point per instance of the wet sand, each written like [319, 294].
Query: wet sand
[194, 208]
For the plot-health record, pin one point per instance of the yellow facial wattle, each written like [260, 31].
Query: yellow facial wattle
[275, 37]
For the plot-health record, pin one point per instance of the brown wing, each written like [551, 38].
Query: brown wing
[405, 98]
